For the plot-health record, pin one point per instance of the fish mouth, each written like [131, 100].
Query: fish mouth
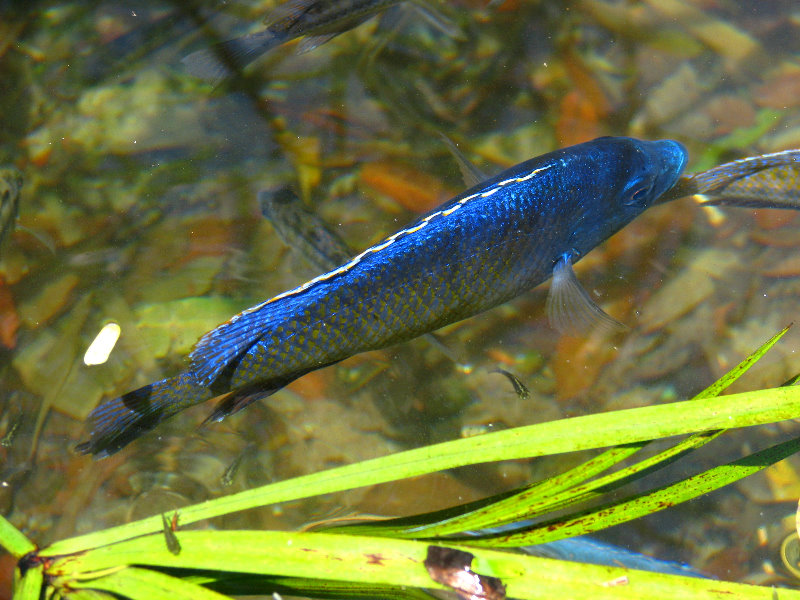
[675, 156]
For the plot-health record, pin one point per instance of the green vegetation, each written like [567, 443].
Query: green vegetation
[146, 559]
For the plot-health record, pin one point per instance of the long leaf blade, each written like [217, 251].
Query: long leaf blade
[146, 584]
[13, 540]
[646, 503]
[724, 382]
[29, 586]
[555, 437]
[400, 562]
[521, 506]
[502, 509]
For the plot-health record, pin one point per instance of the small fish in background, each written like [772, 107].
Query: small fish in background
[10, 188]
[301, 229]
[11, 181]
[763, 181]
[520, 389]
[773, 187]
[318, 20]
[169, 526]
[229, 474]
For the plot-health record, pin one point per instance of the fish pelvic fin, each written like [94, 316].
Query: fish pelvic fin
[117, 422]
[570, 309]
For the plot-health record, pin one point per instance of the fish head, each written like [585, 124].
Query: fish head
[623, 177]
[653, 168]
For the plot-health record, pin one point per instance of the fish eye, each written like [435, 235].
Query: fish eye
[639, 194]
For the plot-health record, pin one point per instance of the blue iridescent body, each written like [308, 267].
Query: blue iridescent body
[480, 249]
[585, 549]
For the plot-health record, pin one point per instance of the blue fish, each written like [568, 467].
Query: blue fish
[485, 246]
[586, 549]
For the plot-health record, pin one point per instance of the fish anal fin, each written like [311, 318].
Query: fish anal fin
[570, 309]
[235, 401]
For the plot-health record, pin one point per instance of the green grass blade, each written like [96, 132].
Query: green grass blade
[644, 504]
[13, 540]
[499, 513]
[721, 384]
[247, 584]
[522, 506]
[791, 381]
[400, 562]
[555, 437]
[146, 584]
[539, 498]
[624, 476]
[460, 518]
[91, 595]
[29, 586]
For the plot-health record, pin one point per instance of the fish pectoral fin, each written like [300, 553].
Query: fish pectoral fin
[40, 236]
[570, 309]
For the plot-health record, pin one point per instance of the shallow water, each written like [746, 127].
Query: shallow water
[139, 207]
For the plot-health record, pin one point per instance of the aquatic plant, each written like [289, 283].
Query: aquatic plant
[156, 558]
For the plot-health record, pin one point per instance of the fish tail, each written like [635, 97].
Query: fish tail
[115, 423]
[223, 60]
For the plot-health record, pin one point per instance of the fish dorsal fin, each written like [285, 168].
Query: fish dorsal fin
[221, 346]
[570, 309]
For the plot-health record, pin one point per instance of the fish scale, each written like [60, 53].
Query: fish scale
[479, 249]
